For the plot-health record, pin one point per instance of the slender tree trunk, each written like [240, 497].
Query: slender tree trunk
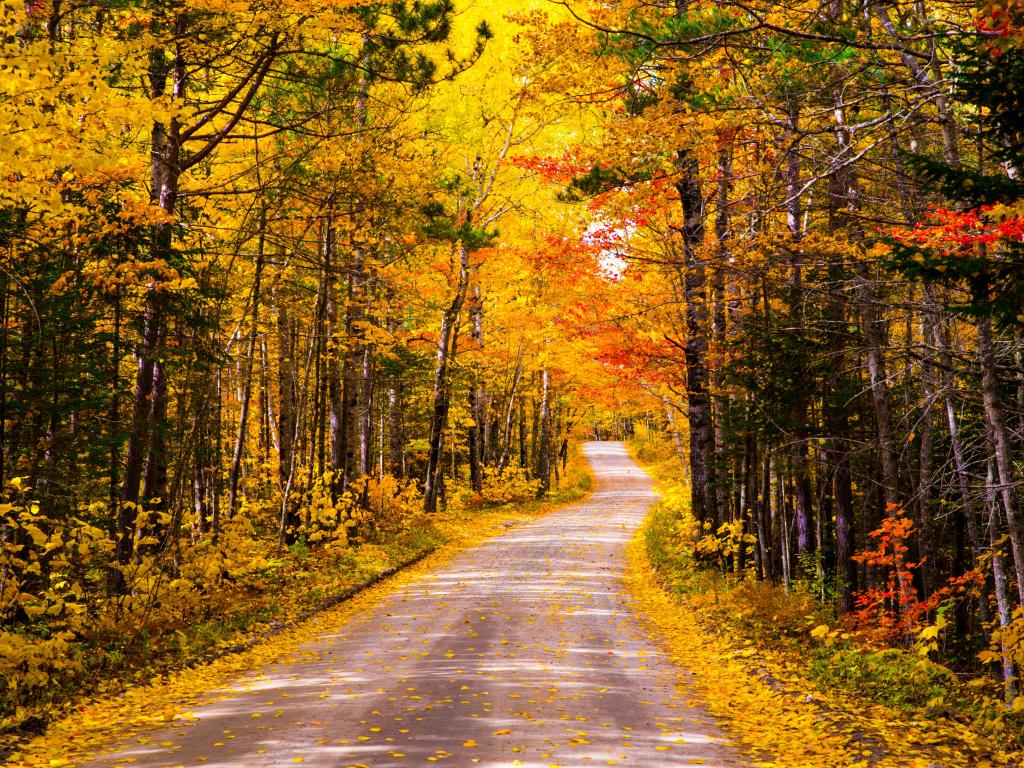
[764, 526]
[337, 358]
[445, 357]
[200, 488]
[1003, 608]
[475, 436]
[142, 427]
[396, 464]
[719, 399]
[873, 330]
[285, 391]
[215, 479]
[352, 374]
[756, 505]
[677, 440]
[243, 416]
[290, 521]
[926, 545]
[782, 497]
[798, 451]
[505, 452]
[154, 487]
[846, 567]
[366, 411]
[115, 397]
[960, 465]
[535, 435]
[544, 442]
[1006, 472]
[522, 434]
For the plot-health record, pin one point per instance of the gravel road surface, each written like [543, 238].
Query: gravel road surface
[521, 651]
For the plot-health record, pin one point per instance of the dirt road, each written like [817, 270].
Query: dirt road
[521, 651]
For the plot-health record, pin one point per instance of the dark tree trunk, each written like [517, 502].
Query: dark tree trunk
[522, 434]
[544, 440]
[142, 426]
[846, 567]
[1006, 472]
[874, 341]
[445, 357]
[694, 280]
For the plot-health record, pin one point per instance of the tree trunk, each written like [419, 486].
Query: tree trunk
[290, 521]
[154, 487]
[694, 281]
[1005, 469]
[846, 567]
[352, 373]
[873, 330]
[544, 441]
[677, 440]
[142, 426]
[804, 511]
[522, 434]
[926, 482]
[445, 357]
[243, 416]
[505, 451]
[366, 411]
[719, 400]
[165, 172]
[396, 441]
[1003, 608]
[335, 385]
[476, 433]
[285, 391]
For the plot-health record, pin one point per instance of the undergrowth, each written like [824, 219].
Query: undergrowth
[799, 643]
[274, 589]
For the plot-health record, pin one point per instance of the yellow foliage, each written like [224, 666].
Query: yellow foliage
[512, 485]
[773, 710]
[167, 698]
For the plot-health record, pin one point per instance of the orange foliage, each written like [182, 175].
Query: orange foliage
[894, 611]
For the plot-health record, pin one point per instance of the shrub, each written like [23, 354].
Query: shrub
[766, 611]
[385, 506]
[891, 676]
[511, 485]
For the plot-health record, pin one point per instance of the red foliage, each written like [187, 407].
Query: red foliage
[895, 611]
[1001, 26]
[553, 169]
[1000, 21]
[951, 231]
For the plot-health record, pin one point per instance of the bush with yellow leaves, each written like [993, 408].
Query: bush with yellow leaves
[508, 486]
[47, 571]
[72, 615]
[1006, 649]
[384, 506]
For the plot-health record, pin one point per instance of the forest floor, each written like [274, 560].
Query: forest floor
[789, 694]
[520, 651]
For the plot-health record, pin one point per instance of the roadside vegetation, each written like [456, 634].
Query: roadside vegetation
[868, 699]
[232, 596]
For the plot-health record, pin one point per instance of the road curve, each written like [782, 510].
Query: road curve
[521, 651]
